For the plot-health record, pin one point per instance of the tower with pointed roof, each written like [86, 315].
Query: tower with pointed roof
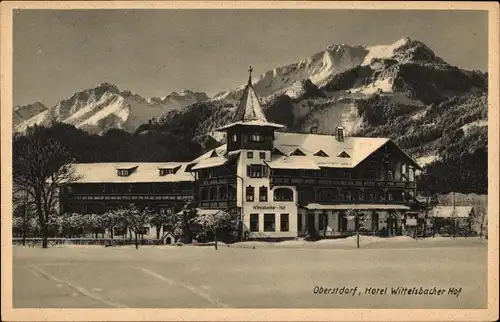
[250, 129]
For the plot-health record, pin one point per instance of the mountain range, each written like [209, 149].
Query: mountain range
[403, 91]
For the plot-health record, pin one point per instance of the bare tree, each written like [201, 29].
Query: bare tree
[361, 221]
[40, 166]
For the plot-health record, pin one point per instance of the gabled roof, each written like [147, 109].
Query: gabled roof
[209, 161]
[144, 172]
[358, 148]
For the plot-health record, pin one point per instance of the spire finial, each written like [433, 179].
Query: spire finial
[250, 70]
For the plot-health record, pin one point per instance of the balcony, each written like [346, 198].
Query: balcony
[217, 204]
[130, 196]
[219, 180]
[361, 183]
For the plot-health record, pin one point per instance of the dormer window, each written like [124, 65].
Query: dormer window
[277, 152]
[256, 137]
[164, 172]
[339, 133]
[297, 152]
[214, 154]
[343, 154]
[123, 172]
[320, 153]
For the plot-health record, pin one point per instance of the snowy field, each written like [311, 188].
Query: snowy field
[283, 275]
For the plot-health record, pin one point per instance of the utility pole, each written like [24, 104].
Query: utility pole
[25, 217]
[453, 216]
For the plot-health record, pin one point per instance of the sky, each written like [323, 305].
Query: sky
[155, 52]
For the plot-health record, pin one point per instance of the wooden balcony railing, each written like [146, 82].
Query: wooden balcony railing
[217, 204]
[220, 180]
[129, 196]
[361, 183]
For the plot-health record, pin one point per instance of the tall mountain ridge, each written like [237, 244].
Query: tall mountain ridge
[403, 91]
[103, 108]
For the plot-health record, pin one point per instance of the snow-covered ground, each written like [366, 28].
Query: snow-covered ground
[266, 277]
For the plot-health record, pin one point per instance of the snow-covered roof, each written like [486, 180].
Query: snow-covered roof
[293, 162]
[251, 123]
[249, 111]
[210, 163]
[249, 108]
[143, 172]
[357, 148]
[316, 206]
[451, 212]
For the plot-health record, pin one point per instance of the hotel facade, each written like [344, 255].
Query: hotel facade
[277, 184]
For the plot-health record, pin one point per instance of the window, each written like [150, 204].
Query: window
[370, 195]
[249, 155]
[320, 153]
[231, 192]
[323, 221]
[250, 193]
[234, 138]
[263, 193]
[373, 158]
[262, 155]
[389, 196]
[164, 211]
[257, 171]
[371, 174]
[213, 194]
[411, 174]
[340, 134]
[164, 172]
[390, 175]
[277, 152]
[256, 137]
[254, 222]
[297, 152]
[327, 194]
[283, 194]
[284, 222]
[269, 222]
[299, 222]
[204, 193]
[123, 173]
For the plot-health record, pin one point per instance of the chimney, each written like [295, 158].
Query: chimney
[339, 133]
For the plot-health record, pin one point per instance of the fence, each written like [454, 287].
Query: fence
[86, 241]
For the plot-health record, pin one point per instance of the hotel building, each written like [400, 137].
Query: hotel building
[278, 184]
[282, 184]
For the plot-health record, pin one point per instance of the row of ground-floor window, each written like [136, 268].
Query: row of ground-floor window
[267, 224]
[335, 223]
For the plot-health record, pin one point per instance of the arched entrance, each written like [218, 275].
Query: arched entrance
[168, 240]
